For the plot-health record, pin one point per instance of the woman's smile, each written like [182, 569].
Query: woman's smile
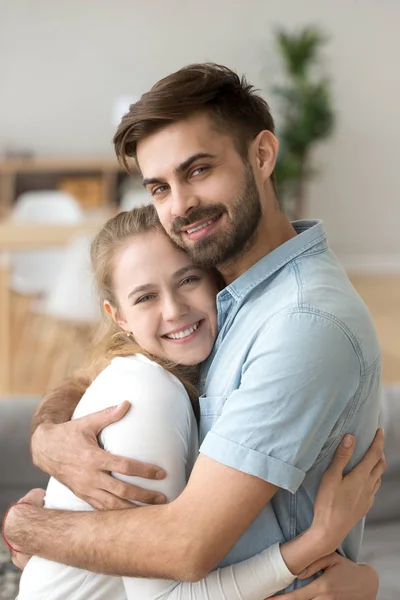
[184, 334]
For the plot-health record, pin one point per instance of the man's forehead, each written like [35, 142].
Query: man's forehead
[171, 146]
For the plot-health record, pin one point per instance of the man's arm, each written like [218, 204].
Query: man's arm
[59, 404]
[183, 540]
[166, 543]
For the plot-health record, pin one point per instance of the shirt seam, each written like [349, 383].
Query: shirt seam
[310, 310]
[279, 265]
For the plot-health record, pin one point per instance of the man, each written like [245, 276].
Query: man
[295, 366]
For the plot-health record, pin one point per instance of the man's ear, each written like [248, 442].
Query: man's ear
[266, 148]
[117, 316]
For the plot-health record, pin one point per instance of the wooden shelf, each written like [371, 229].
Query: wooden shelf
[106, 168]
[60, 164]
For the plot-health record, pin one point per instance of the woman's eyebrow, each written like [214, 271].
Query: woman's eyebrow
[140, 288]
[184, 270]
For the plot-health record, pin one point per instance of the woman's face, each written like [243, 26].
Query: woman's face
[166, 302]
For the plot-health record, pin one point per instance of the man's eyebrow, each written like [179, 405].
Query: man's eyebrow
[186, 163]
[180, 168]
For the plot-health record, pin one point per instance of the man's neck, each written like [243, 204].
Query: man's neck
[274, 230]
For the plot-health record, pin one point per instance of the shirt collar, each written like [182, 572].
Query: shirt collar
[310, 233]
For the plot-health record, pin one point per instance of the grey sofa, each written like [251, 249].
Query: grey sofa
[17, 474]
[381, 546]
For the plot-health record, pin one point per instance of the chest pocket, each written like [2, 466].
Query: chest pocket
[210, 410]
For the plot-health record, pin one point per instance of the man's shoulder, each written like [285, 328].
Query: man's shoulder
[310, 284]
[314, 294]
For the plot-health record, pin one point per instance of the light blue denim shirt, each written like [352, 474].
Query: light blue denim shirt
[295, 366]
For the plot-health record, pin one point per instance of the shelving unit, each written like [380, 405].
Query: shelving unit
[23, 174]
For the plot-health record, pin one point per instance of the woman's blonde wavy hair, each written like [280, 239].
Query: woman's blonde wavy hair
[111, 340]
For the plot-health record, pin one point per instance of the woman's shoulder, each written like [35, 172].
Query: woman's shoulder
[135, 378]
[141, 369]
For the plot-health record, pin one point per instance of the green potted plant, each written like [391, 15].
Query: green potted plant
[306, 114]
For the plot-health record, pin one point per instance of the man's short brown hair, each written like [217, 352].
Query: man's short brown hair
[233, 105]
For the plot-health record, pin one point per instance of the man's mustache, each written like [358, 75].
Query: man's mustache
[197, 214]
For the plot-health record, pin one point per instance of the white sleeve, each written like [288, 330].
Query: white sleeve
[160, 428]
[256, 578]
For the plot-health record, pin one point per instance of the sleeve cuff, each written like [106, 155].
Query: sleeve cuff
[280, 566]
[252, 462]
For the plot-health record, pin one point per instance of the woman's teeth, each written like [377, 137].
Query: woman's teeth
[182, 334]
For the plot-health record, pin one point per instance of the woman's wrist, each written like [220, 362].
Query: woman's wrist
[304, 550]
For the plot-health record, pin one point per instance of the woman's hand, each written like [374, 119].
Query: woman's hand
[342, 501]
[342, 580]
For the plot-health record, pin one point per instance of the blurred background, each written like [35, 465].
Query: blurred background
[69, 70]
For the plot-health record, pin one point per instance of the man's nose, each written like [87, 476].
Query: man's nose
[183, 201]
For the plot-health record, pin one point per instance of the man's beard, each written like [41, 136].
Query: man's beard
[222, 247]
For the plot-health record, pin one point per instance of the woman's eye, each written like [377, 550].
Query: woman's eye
[144, 298]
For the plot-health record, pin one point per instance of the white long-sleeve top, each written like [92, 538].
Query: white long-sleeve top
[160, 428]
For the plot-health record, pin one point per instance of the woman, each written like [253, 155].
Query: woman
[162, 323]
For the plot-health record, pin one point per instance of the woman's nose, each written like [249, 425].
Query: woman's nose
[174, 308]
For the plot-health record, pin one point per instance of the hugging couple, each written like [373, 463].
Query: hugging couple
[224, 444]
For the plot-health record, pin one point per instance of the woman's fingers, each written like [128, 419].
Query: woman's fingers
[379, 468]
[309, 592]
[320, 565]
[373, 456]
[342, 456]
[377, 486]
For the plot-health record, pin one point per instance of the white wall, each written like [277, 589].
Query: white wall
[62, 64]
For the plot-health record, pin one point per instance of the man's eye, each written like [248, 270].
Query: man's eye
[191, 279]
[159, 190]
[198, 171]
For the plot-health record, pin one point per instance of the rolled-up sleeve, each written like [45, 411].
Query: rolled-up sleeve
[301, 374]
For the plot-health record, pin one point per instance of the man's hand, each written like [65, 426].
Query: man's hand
[36, 498]
[70, 452]
[342, 580]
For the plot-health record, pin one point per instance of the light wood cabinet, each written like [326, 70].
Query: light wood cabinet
[101, 175]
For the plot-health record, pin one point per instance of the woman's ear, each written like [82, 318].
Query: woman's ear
[115, 314]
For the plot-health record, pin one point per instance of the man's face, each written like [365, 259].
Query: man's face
[205, 194]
